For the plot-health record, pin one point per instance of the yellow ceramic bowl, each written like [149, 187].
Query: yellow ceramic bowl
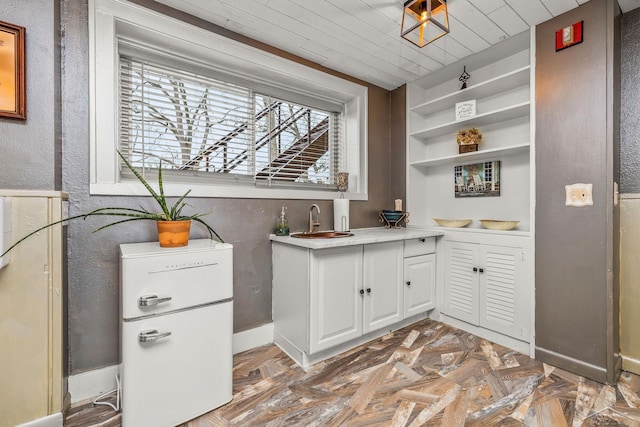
[457, 223]
[494, 224]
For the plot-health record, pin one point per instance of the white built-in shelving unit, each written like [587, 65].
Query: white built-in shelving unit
[484, 279]
[501, 86]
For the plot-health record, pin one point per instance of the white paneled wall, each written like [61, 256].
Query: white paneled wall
[362, 37]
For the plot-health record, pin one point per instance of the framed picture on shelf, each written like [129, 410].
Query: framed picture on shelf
[477, 179]
[13, 91]
[465, 109]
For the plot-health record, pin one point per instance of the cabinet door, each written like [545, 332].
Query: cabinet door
[420, 280]
[382, 285]
[461, 293]
[504, 291]
[335, 300]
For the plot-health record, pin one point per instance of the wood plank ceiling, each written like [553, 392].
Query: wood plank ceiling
[361, 38]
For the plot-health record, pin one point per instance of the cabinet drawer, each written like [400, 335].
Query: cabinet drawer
[421, 246]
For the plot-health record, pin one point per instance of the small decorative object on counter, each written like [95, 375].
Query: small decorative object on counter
[398, 204]
[468, 140]
[464, 77]
[393, 219]
[282, 226]
[343, 182]
[341, 205]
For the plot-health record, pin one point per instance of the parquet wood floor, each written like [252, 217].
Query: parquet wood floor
[427, 374]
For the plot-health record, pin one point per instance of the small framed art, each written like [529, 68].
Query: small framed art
[465, 110]
[13, 90]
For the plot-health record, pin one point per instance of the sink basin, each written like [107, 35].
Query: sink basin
[322, 235]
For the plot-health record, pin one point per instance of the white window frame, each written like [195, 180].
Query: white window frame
[112, 20]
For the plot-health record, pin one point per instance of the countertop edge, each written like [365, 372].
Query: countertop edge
[361, 236]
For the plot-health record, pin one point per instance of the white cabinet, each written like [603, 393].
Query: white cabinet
[420, 279]
[500, 86]
[487, 286]
[383, 265]
[354, 290]
[419, 276]
[329, 300]
[336, 296]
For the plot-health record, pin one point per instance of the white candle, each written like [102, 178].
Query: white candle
[398, 204]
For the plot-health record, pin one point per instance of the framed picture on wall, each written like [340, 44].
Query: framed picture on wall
[13, 90]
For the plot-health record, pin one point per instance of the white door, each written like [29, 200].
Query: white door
[335, 299]
[419, 280]
[382, 284]
[504, 291]
[461, 292]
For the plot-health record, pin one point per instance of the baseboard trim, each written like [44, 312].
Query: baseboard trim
[53, 420]
[88, 385]
[630, 364]
[570, 364]
[253, 338]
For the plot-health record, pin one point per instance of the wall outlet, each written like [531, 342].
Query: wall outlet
[578, 195]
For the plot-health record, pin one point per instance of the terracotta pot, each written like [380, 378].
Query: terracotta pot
[173, 234]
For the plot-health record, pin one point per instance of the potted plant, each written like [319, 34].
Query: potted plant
[173, 225]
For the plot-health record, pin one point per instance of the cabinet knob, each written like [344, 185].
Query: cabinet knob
[408, 283]
[422, 239]
[361, 291]
[475, 269]
[368, 290]
[482, 270]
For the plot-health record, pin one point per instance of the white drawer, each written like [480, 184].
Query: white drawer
[421, 246]
[177, 279]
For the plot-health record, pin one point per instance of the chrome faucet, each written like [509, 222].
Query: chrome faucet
[313, 224]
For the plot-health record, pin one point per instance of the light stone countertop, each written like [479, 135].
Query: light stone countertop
[361, 236]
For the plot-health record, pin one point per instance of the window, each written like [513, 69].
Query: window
[189, 123]
[220, 117]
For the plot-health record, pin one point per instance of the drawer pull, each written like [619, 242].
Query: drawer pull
[149, 300]
[152, 335]
[408, 283]
[422, 240]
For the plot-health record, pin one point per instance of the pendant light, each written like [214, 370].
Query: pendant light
[424, 21]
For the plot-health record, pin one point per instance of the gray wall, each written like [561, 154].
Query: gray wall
[93, 258]
[30, 158]
[575, 143]
[630, 102]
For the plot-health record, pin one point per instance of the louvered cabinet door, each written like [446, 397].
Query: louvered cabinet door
[504, 299]
[461, 292]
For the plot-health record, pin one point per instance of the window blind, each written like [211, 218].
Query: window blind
[194, 124]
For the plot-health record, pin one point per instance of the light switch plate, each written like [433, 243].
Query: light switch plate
[578, 195]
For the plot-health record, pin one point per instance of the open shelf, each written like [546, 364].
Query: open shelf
[474, 156]
[479, 229]
[507, 113]
[502, 83]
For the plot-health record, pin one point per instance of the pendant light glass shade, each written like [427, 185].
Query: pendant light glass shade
[424, 21]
